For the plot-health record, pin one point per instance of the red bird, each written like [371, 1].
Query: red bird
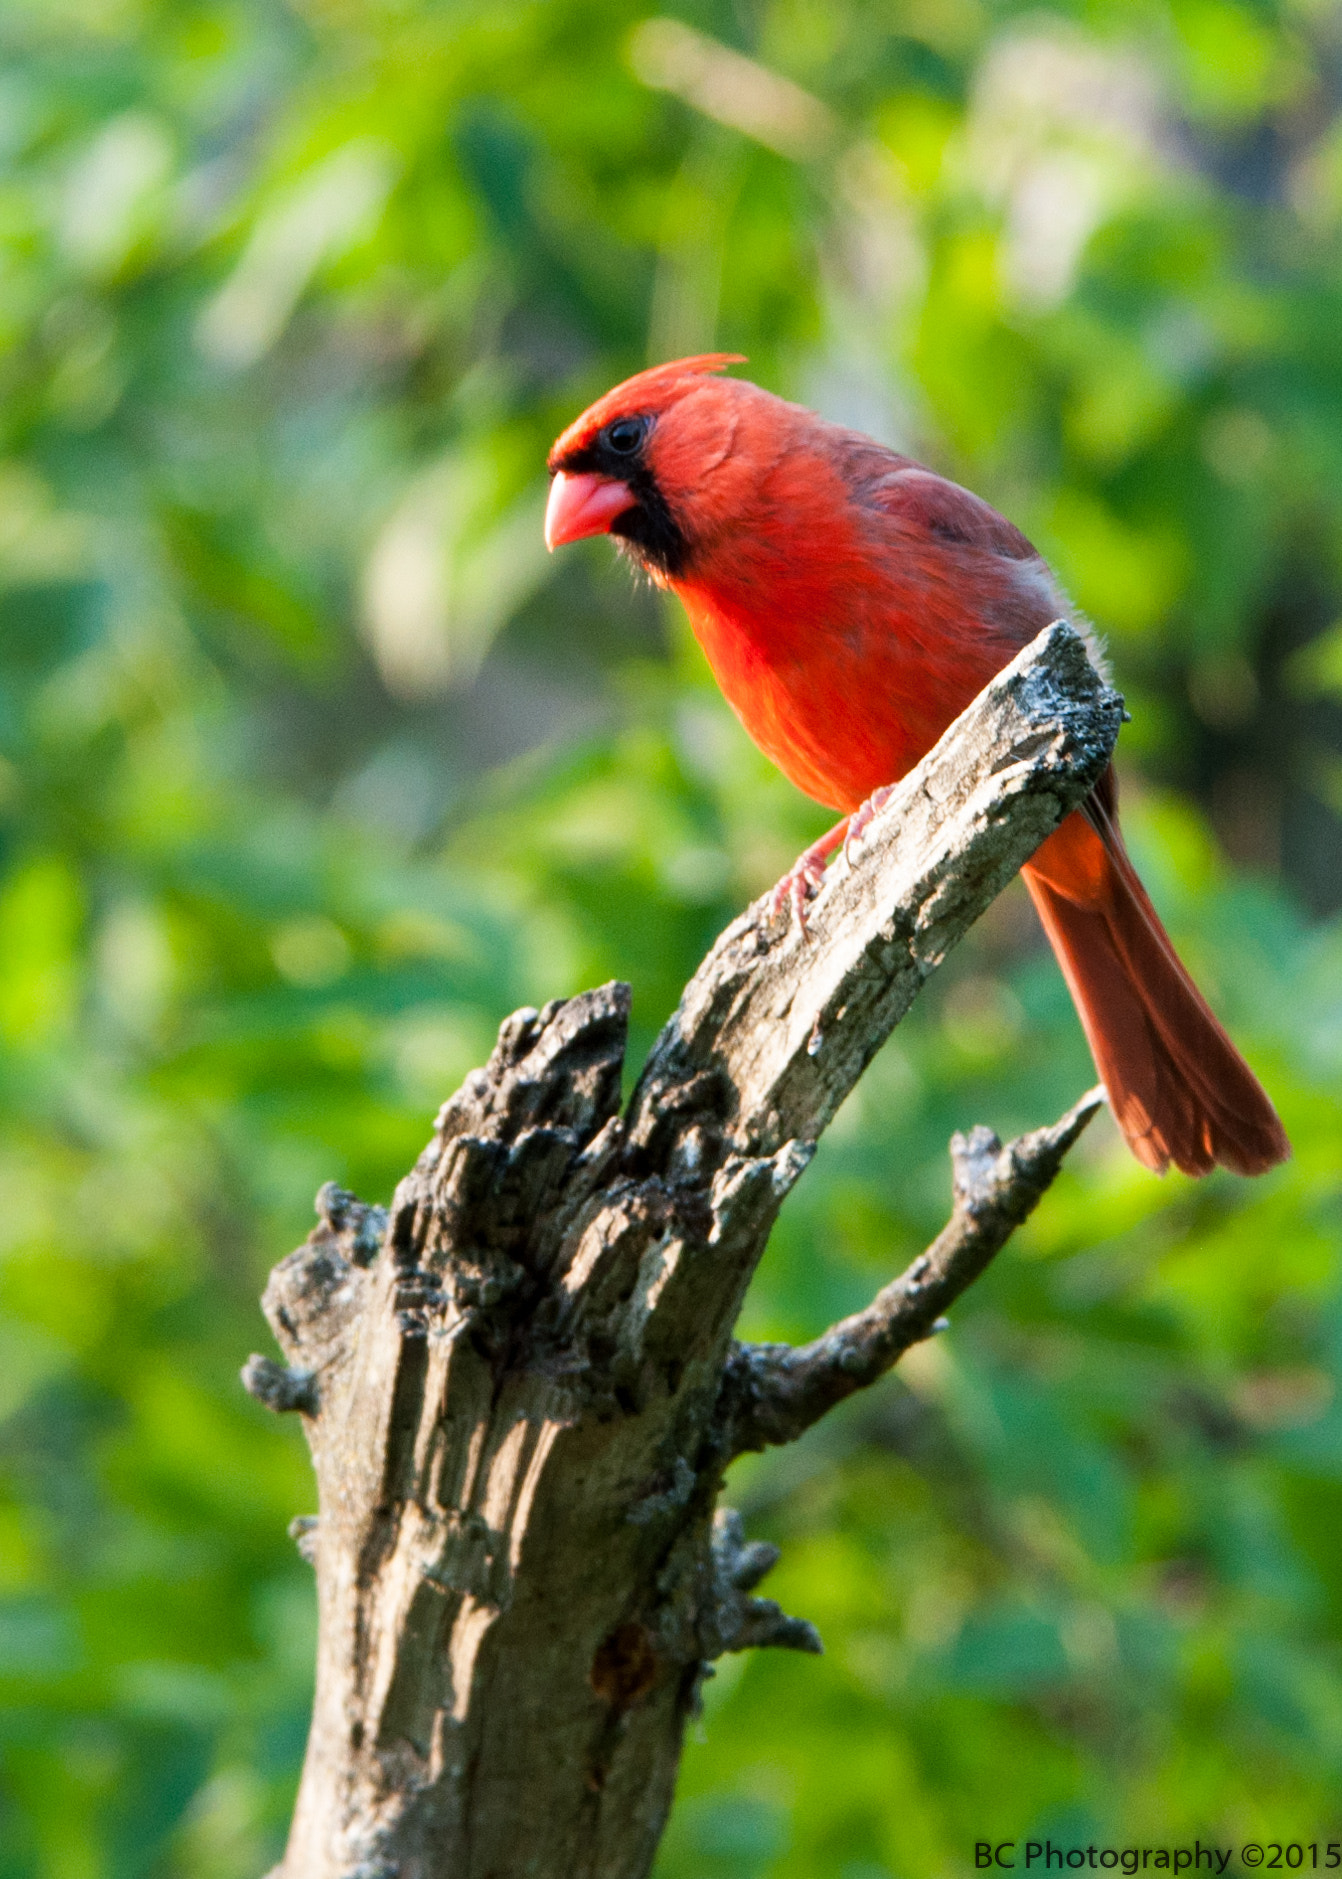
[851, 605]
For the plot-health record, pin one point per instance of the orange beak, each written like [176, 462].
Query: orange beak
[582, 505]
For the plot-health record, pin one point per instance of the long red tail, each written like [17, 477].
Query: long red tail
[1178, 1088]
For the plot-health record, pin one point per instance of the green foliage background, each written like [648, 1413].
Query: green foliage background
[313, 768]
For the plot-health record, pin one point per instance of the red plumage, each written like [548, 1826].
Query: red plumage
[851, 604]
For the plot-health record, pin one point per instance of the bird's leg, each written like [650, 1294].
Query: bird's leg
[803, 878]
[858, 821]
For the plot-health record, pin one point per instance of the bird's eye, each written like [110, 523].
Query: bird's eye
[625, 435]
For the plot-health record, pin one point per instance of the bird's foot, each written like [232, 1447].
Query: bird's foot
[861, 818]
[803, 879]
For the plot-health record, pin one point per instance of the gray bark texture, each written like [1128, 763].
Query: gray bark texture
[519, 1382]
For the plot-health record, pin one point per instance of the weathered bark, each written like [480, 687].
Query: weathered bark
[519, 1382]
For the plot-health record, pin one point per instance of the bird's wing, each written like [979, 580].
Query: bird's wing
[944, 511]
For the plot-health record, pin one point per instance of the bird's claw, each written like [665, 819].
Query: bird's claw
[804, 878]
[800, 884]
[861, 818]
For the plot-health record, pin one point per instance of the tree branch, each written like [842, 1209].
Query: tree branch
[512, 1381]
[772, 1393]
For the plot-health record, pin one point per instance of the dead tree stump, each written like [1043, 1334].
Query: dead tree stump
[519, 1382]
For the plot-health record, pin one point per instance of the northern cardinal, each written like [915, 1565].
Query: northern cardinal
[851, 604]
